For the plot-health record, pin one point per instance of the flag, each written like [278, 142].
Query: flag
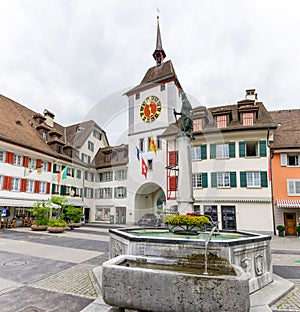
[62, 175]
[144, 168]
[137, 152]
[152, 145]
[269, 168]
[39, 170]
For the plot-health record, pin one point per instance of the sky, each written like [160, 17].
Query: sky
[78, 57]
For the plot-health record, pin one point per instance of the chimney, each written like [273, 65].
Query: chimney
[251, 95]
[49, 118]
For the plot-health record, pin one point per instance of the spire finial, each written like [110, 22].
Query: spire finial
[159, 53]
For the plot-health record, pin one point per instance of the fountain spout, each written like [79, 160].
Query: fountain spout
[214, 227]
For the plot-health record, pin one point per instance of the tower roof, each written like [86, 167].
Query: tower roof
[159, 53]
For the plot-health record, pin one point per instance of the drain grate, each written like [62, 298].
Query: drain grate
[15, 263]
[32, 309]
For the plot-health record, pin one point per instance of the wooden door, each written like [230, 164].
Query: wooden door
[290, 223]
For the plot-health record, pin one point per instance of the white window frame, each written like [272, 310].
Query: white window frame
[1, 181]
[18, 160]
[197, 180]
[43, 187]
[121, 174]
[91, 146]
[31, 163]
[223, 179]
[120, 192]
[16, 184]
[30, 186]
[196, 152]
[296, 160]
[106, 176]
[253, 179]
[45, 165]
[292, 186]
[2, 156]
[222, 150]
[105, 192]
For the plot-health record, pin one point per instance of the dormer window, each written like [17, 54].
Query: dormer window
[197, 124]
[79, 129]
[221, 121]
[248, 119]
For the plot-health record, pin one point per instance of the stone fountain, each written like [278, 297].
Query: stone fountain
[152, 269]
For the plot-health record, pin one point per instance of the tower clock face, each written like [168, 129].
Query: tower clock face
[150, 108]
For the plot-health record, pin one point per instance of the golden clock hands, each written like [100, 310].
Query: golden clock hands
[150, 109]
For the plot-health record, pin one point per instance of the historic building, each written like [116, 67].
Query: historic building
[286, 169]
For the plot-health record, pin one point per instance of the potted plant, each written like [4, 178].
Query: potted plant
[280, 229]
[73, 216]
[185, 224]
[56, 225]
[41, 213]
[298, 230]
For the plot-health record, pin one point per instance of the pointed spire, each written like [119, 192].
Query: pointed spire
[159, 53]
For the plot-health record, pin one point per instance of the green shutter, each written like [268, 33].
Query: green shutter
[232, 149]
[264, 178]
[54, 168]
[242, 149]
[233, 179]
[263, 148]
[203, 151]
[243, 179]
[62, 190]
[53, 189]
[204, 180]
[212, 151]
[213, 178]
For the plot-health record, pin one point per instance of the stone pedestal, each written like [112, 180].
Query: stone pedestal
[185, 198]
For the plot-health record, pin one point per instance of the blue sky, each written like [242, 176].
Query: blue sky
[74, 55]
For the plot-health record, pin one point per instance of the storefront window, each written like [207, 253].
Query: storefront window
[102, 214]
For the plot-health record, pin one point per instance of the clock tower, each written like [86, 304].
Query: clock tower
[150, 111]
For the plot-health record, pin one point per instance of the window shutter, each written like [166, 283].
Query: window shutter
[37, 187]
[23, 185]
[49, 166]
[263, 148]
[85, 175]
[48, 188]
[62, 190]
[53, 189]
[73, 172]
[243, 179]
[204, 180]
[212, 151]
[203, 151]
[242, 149]
[9, 158]
[38, 163]
[232, 149]
[264, 178]
[172, 183]
[115, 193]
[25, 161]
[283, 160]
[54, 168]
[7, 183]
[173, 158]
[92, 193]
[85, 191]
[233, 179]
[213, 178]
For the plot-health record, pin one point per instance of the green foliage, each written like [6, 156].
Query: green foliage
[73, 214]
[298, 228]
[57, 223]
[280, 228]
[186, 220]
[59, 200]
[41, 212]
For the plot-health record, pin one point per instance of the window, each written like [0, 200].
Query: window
[85, 158]
[32, 163]
[89, 176]
[120, 175]
[251, 149]
[196, 152]
[17, 160]
[16, 184]
[2, 156]
[1, 181]
[247, 119]
[30, 186]
[223, 179]
[120, 192]
[222, 151]
[105, 192]
[162, 87]
[91, 146]
[142, 145]
[253, 179]
[293, 187]
[45, 165]
[197, 180]
[102, 214]
[292, 160]
[211, 210]
[222, 121]
[106, 176]
[137, 96]
[44, 135]
[97, 134]
[58, 148]
[43, 187]
[150, 164]
[88, 192]
[78, 174]
[55, 189]
[107, 158]
[158, 143]
[197, 124]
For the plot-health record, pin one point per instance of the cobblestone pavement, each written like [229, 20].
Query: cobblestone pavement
[289, 303]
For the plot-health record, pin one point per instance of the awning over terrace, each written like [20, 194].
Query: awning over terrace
[288, 203]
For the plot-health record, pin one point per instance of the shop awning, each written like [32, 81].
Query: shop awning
[9, 202]
[288, 203]
[77, 202]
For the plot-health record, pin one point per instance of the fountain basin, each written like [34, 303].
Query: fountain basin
[250, 251]
[171, 290]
